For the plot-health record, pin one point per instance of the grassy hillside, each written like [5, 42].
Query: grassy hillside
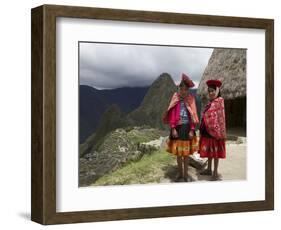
[157, 167]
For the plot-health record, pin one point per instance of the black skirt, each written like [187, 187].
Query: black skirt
[183, 132]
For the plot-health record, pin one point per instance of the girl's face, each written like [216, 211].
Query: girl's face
[183, 90]
[212, 93]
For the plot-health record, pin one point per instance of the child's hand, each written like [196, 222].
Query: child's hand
[174, 133]
[191, 134]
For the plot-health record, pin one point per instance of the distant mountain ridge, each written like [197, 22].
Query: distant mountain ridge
[93, 103]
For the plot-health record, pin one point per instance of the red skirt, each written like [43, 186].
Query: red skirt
[211, 148]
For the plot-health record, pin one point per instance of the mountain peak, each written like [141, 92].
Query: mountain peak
[155, 102]
[165, 77]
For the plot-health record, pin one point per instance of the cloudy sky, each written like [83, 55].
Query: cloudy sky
[108, 66]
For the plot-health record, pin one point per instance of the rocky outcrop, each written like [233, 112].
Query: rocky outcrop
[119, 147]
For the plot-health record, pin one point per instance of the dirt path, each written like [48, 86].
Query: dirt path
[231, 168]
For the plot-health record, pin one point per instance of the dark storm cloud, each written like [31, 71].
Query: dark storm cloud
[115, 65]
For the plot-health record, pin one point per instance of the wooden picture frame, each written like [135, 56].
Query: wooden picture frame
[43, 189]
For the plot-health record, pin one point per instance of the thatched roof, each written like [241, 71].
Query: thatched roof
[229, 66]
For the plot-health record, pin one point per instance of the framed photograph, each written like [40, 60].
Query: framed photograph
[139, 114]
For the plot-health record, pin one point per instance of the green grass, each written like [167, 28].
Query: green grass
[152, 168]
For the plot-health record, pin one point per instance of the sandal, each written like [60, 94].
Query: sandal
[217, 177]
[178, 177]
[206, 172]
[187, 179]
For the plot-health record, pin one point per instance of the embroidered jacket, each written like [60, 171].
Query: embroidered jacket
[214, 118]
[172, 114]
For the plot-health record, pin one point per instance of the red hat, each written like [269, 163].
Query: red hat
[187, 80]
[214, 82]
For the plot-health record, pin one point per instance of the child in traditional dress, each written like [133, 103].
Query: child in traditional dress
[212, 130]
[182, 118]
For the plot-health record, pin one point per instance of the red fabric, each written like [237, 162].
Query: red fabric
[187, 80]
[214, 82]
[212, 148]
[174, 117]
[214, 118]
[172, 114]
